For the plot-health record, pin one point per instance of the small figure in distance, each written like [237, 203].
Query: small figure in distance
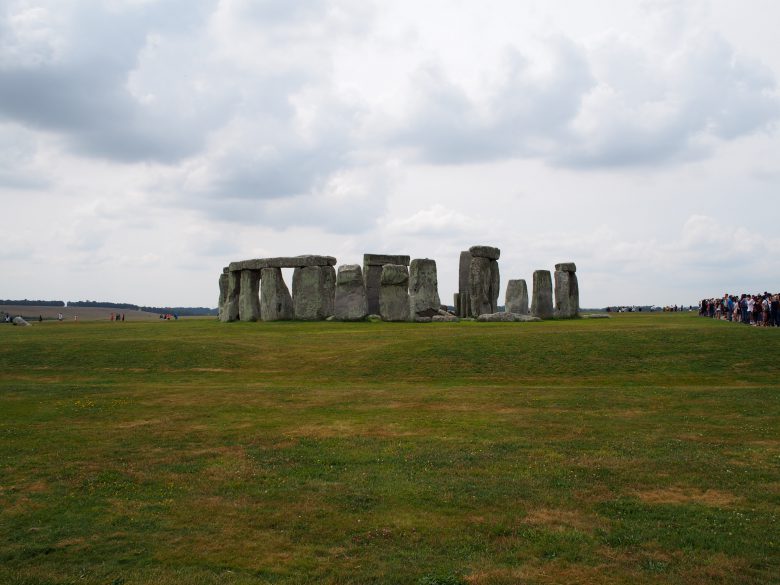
[40, 318]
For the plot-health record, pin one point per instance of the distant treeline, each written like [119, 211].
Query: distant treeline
[27, 303]
[182, 311]
[103, 304]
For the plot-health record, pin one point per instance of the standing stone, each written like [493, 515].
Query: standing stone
[567, 291]
[516, 297]
[542, 302]
[249, 296]
[464, 271]
[495, 285]
[394, 293]
[275, 300]
[313, 288]
[223, 292]
[423, 288]
[480, 286]
[231, 304]
[456, 303]
[329, 291]
[372, 274]
[351, 303]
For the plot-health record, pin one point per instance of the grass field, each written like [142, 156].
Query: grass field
[639, 449]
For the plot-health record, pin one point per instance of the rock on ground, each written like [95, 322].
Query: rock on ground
[542, 302]
[423, 288]
[394, 293]
[516, 297]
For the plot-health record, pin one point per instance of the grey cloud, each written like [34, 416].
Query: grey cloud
[596, 107]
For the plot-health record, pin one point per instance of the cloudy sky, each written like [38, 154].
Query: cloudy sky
[145, 144]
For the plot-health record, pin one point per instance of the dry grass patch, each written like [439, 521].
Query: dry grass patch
[688, 495]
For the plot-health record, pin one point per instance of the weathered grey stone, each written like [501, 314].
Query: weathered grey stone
[485, 252]
[456, 302]
[283, 262]
[506, 318]
[351, 301]
[19, 321]
[596, 316]
[423, 288]
[542, 302]
[495, 285]
[444, 319]
[223, 292]
[382, 259]
[275, 300]
[464, 310]
[394, 293]
[372, 275]
[329, 299]
[566, 267]
[419, 319]
[567, 295]
[395, 275]
[480, 283]
[249, 296]
[516, 297]
[463, 271]
[231, 303]
[312, 293]
[374, 318]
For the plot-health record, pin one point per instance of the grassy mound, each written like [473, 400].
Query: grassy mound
[639, 449]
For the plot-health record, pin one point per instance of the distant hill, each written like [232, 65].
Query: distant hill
[27, 303]
[181, 311]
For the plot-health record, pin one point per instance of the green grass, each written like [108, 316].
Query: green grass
[640, 449]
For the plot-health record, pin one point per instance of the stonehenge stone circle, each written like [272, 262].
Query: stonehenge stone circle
[372, 275]
[249, 296]
[542, 301]
[275, 300]
[516, 297]
[312, 292]
[388, 288]
[423, 288]
[351, 303]
[567, 291]
[394, 293]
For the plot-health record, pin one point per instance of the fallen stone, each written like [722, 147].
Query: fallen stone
[422, 319]
[497, 318]
[423, 288]
[485, 252]
[394, 293]
[595, 316]
[275, 300]
[445, 319]
[19, 321]
[311, 293]
[566, 267]
[249, 296]
[351, 303]
[374, 318]
[541, 302]
[283, 262]
[516, 300]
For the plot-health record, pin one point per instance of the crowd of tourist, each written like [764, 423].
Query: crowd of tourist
[762, 310]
